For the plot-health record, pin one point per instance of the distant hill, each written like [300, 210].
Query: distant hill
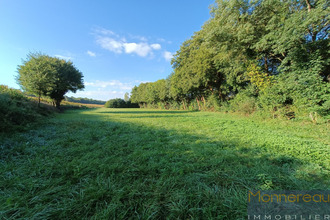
[84, 100]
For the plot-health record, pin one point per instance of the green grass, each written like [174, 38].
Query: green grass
[149, 164]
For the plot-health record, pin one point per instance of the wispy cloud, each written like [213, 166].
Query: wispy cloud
[114, 84]
[140, 38]
[168, 55]
[105, 90]
[90, 53]
[99, 94]
[63, 57]
[104, 31]
[110, 44]
[110, 41]
[164, 41]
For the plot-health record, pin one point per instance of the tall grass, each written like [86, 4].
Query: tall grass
[152, 164]
[17, 111]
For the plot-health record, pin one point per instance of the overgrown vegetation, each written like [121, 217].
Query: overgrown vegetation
[17, 111]
[151, 164]
[267, 56]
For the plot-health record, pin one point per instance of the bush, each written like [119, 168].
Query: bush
[120, 103]
[243, 103]
[297, 96]
[213, 103]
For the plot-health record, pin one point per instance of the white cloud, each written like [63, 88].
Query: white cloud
[164, 41]
[90, 53]
[141, 49]
[110, 44]
[105, 90]
[143, 39]
[168, 55]
[137, 82]
[98, 95]
[140, 38]
[63, 57]
[156, 46]
[112, 83]
[110, 41]
[104, 31]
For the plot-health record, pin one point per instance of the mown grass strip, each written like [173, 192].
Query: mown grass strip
[149, 164]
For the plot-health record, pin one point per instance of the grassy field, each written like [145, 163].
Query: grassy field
[149, 164]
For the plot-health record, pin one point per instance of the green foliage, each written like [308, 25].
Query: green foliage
[280, 49]
[213, 103]
[152, 164]
[43, 75]
[194, 70]
[261, 80]
[298, 94]
[17, 111]
[67, 78]
[126, 97]
[243, 103]
[36, 74]
[139, 94]
[151, 93]
[119, 103]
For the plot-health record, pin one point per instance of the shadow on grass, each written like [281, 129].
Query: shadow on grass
[145, 112]
[158, 116]
[107, 169]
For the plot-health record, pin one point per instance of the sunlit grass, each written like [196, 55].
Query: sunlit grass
[137, 163]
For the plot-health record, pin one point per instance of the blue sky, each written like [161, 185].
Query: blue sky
[115, 44]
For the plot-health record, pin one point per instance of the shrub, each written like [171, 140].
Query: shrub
[243, 103]
[213, 103]
[120, 103]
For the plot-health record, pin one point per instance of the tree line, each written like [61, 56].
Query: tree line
[120, 103]
[266, 55]
[84, 100]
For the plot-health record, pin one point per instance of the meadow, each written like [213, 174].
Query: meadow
[155, 164]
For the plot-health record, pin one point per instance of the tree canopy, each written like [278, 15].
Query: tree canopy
[43, 75]
[273, 52]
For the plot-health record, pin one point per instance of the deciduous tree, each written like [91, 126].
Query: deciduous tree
[43, 75]
[67, 78]
[36, 74]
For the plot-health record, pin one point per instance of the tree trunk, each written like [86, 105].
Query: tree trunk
[199, 106]
[312, 32]
[308, 5]
[266, 64]
[203, 99]
[184, 106]
[220, 95]
[39, 99]
[58, 103]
